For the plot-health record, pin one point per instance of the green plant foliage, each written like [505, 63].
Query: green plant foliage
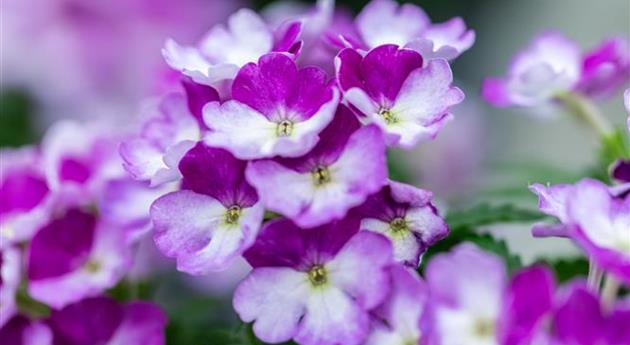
[566, 269]
[487, 214]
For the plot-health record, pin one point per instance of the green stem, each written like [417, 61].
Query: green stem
[595, 275]
[586, 111]
[610, 291]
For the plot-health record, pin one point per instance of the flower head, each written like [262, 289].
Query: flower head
[308, 284]
[606, 68]
[390, 88]
[276, 110]
[214, 218]
[405, 215]
[346, 166]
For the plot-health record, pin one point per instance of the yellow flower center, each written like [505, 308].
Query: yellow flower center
[284, 129]
[398, 225]
[388, 115]
[321, 175]
[233, 214]
[317, 275]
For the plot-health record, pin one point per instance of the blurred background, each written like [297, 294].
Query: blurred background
[86, 59]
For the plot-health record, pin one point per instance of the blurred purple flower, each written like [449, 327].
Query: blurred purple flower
[606, 68]
[19, 330]
[346, 166]
[309, 284]
[10, 271]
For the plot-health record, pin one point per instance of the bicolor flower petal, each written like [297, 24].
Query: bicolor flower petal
[390, 88]
[446, 40]
[346, 166]
[10, 276]
[309, 284]
[214, 218]
[405, 215]
[168, 131]
[606, 68]
[276, 110]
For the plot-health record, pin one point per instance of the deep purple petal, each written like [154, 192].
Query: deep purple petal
[606, 68]
[21, 191]
[621, 171]
[197, 95]
[579, 319]
[215, 172]
[282, 244]
[276, 88]
[61, 246]
[91, 321]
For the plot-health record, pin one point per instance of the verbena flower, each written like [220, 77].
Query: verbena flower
[214, 218]
[101, 320]
[548, 65]
[606, 68]
[398, 319]
[309, 284]
[594, 217]
[405, 215]
[276, 110]
[20, 330]
[168, 131]
[390, 88]
[75, 256]
[346, 166]
[385, 22]
[247, 36]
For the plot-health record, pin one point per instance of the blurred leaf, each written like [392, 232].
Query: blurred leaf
[16, 127]
[127, 290]
[612, 147]
[397, 167]
[567, 269]
[29, 306]
[486, 214]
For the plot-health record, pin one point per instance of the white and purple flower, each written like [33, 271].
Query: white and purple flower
[224, 50]
[310, 284]
[390, 88]
[10, 274]
[214, 218]
[168, 131]
[407, 25]
[75, 256]
[606, 68]
[346, 166]
[405, 215]
[101, 320]
[276, 110]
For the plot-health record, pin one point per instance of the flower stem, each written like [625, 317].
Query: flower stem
[586, 111]
[609, 292]
[595, 275]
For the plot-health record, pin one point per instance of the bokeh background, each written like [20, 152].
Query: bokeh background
[90, 60]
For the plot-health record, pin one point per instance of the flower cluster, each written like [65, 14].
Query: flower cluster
[284, 164]
[70, 219]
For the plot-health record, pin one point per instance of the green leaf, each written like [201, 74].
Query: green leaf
[612, 147]
[486, 214]
[567, 269]
[397, 167]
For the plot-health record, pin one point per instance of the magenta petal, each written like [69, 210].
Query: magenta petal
[198, 95]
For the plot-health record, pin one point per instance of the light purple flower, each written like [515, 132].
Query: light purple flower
[224, 50]
[389, 87]
[214, 218]
[101, 320]
[19, 330]
[277, 110]
[75, 256]
[549, 65]
[404, 214]
[600, 224]
[310, 284]
[606, 68]
[346, 166]
[25, 195]
[385, 22]
[398, 318]
[10, 274]
[626, 103]
[168, 132]
[552, 200]
[467, 292]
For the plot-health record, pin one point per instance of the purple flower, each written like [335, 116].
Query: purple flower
[548, 66]
[621, 171]
[277, 110]
[24, 193]
[467, 292]
[398, 318]
[405, 215]
[223, 50]
[552, 200]
[600, 224]
[214, 218]
[19, 330]
[310, 284]
[101, 320]
[606, 68]
[346, 166]
[10, 271]
[626, 103]
[75, 256]
[168, 131]
[390, 88]
[385, 22]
